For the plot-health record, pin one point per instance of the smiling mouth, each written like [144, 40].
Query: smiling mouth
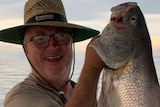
[53, 58]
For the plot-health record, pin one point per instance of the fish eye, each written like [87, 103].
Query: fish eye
[133, 20]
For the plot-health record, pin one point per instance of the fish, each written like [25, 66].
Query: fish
[129, 78]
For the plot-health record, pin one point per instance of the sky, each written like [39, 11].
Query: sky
[90, 13]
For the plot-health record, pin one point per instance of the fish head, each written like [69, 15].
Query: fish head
[128, 21]
[125, 16]
[125, 31]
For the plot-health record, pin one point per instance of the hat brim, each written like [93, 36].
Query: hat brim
[16, 34]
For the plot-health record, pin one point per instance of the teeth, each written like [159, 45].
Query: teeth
[51, 58]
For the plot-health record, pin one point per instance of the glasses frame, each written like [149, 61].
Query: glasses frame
[65, 36]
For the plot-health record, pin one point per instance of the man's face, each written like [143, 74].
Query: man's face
[54, 61]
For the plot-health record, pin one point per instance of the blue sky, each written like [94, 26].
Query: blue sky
[91, 13]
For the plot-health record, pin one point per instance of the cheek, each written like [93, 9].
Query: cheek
[68, 50]
[32, 53]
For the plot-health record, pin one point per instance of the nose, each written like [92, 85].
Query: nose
[53, 43]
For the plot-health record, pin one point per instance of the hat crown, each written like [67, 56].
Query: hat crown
[35, 8]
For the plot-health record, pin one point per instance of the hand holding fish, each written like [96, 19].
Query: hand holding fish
[88, 80]
[93, 60]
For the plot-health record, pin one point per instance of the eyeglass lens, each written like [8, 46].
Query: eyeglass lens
[41, 41]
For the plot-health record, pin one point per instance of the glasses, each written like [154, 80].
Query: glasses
[42, 41]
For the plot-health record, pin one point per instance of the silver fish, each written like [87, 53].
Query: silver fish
[130, 78]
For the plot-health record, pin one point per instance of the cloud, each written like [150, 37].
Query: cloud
[153, 23]
[11, 51]
[84, 9]
[91, 9]
[156, 45]
[77, 9]
[10, 9]
[4, 46]
[7, 23]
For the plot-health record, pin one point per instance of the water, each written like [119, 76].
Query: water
[14, 68]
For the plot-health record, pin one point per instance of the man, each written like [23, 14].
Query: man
[47, 39]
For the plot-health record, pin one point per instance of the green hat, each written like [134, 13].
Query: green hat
[45, 13]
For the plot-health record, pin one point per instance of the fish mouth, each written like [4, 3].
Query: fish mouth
[117, 19]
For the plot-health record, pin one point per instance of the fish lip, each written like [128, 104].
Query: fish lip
[117, 25]
[117, 20]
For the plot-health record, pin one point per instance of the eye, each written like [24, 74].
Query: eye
[40, 38]
[62, 36]
[59, 36]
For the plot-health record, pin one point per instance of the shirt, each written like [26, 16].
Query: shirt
[33, 93]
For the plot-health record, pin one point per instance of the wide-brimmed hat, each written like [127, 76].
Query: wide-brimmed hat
[45, 13]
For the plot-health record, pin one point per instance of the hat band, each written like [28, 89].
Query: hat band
[47, 17]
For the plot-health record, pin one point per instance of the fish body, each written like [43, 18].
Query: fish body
[130, 79]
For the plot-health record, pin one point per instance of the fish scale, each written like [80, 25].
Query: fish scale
[129, 79]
